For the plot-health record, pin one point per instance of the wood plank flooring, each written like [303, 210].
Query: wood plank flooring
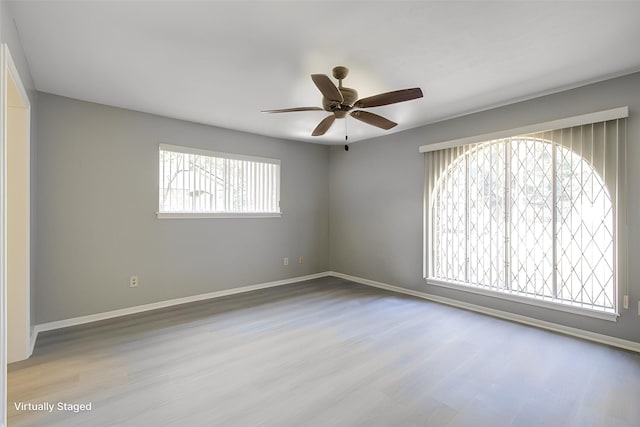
[322, 353]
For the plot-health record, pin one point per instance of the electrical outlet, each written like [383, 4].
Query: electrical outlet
[301, 260]
[133, 281]
[625, 302]
[286, 261]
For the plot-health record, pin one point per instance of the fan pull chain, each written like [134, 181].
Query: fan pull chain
[346, 135]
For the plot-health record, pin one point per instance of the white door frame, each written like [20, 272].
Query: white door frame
[3, 237]
[9, 70]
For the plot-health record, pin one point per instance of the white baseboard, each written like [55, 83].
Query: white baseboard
[579, 333]
[566, 330]
[162, 304]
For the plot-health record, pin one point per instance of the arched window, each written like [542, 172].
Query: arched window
[531, 216]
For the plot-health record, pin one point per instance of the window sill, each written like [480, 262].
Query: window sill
[538, 302]
[196, 215]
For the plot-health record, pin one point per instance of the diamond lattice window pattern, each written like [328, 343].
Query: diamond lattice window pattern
[528, 215]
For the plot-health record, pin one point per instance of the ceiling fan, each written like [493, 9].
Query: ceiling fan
[340, 101]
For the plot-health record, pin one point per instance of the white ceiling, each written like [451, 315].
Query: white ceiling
[220, 63]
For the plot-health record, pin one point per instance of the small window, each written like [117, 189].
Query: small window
[200, 183]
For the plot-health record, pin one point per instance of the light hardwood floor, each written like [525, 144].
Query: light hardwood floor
[323, 353]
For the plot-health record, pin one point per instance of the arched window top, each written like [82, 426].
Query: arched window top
[569, 153]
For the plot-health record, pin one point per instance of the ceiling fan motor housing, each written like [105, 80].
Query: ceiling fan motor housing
[349, 97]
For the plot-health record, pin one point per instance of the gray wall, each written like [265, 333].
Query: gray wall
[376, 193]
[356, 212]
[9, 35]
[97, 180]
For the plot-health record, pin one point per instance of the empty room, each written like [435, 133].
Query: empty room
[319, 213]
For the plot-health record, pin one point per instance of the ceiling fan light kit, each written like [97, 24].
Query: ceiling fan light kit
[340, 101]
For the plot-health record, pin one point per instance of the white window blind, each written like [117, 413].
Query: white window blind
[201, 183]
[533, 216]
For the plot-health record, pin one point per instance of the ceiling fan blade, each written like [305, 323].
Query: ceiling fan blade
[327, 87]
[290, 110]
[324, 125]
[389, 98]
[373, 119]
